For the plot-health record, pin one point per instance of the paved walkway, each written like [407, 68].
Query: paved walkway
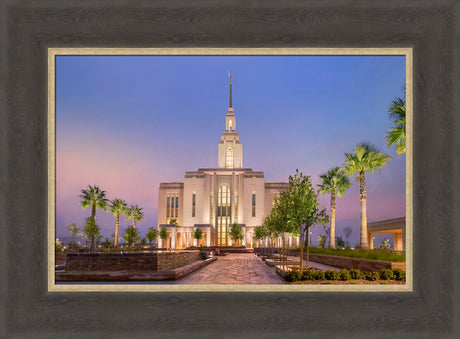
[234, 269]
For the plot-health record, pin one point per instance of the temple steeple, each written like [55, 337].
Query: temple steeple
[230, 101]
[230, 149]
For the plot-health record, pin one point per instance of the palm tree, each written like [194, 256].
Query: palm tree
[135, 213]
[117, 207]
[336, 182]
[365, 158]
[94, 197]
[397, 135]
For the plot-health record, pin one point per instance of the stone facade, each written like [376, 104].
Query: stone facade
[129, 261]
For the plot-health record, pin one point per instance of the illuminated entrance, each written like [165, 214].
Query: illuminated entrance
[223, 214]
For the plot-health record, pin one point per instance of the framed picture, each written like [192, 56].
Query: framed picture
[217, 200]
[29, 309]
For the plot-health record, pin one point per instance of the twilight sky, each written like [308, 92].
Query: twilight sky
[127, 123]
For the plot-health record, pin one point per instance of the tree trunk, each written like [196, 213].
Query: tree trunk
[117, 226]
[308, 248]
[362, 197]
[332, 230]
[301, 249]
[134, 223]
[93, 243]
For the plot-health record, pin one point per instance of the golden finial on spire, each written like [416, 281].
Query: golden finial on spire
[230, 101]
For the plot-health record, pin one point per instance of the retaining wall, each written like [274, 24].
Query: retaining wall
[129, 261]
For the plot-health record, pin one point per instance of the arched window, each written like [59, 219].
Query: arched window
[224, 207]
[230, 125]
[229, 158]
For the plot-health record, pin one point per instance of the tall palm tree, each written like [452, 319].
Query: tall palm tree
[365, 158]
[94, 197]
[134, 213]
[117, 207]
[397, 135]
[335, 182]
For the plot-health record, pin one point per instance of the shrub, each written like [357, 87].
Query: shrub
[372, 276]
[308, 274]
[399, 274]
[332, 275]
[58, 245]
[319, 275]
[386, 274]
[345, 274]
[293, 275]
[356, 274]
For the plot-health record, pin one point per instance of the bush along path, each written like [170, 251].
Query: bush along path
[345, 277]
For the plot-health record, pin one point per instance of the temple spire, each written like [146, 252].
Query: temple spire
[230, 102]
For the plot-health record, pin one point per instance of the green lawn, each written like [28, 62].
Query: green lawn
[365, 254]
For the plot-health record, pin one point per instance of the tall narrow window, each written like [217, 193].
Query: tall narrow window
[223, 214]
[177, 207]
[253, 205]
[229, 158]
[230, 125]
[172, 207]
[168, 207]
[193, 205]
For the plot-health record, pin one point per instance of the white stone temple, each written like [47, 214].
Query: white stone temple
[212, 199]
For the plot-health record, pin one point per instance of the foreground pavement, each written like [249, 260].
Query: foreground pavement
[234, 269]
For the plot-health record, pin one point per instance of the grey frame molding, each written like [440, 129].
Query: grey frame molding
[28, 28]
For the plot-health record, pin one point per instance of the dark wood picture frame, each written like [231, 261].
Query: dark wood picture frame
[28, 29]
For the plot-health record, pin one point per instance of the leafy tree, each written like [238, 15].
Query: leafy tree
[198, 235]
[58, 245]
[152, 235]
[259, 233]
[365, 158]
[135, 213]
[397, 135]
[143, 242]
[94, 197]
[302, 209]
[335, 182]
[270, 230]
[236, 233]
[385, 244]
[131, 236]
[339, 241]
[74, 230]
[321, 240]
[173, 221]
[117, 207]
[85, 238]
[92, 231]
[347, 232]
[163, 234]
[279, 223]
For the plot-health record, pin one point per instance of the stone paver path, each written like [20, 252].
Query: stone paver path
[235, 269]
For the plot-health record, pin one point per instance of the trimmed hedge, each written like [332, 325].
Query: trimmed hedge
[308, 274]
[344, 275]
[399, 274]
[372, 276]
[293, 275]
[386, 274]
[332, 275]
[356, 274]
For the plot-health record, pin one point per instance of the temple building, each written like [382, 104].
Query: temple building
[214, 198]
